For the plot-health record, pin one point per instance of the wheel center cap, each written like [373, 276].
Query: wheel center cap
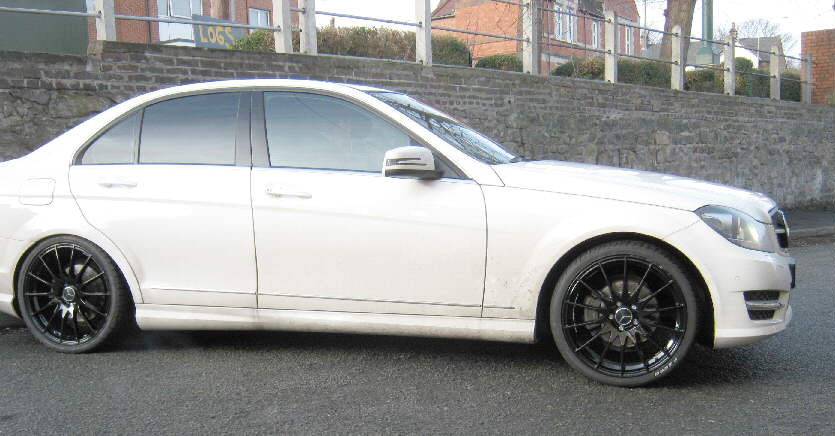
[623, 316]
[69, 294]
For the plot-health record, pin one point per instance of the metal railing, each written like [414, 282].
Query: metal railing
[532, 38]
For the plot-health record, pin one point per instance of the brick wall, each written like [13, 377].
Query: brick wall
[821, 45]
[784, 149]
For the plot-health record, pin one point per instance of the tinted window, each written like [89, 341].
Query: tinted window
[198, 129]
[315, 131]
[115, 146]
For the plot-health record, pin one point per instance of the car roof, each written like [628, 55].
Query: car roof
[263, 83]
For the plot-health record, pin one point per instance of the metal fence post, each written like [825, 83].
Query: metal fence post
[776, 68]
[531, 58]
[307, 27]
[106, 21]
[677, 57]
[610, 41]
[281, 18]
[730, 63]
[423, 35]
[806, 84]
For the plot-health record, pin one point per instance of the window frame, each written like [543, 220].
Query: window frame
[260, 147]
[249, 17]
[243, 146]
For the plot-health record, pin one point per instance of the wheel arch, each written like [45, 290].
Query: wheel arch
[706, 330]
[121, 263]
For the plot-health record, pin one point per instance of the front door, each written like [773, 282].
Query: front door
[333, 234]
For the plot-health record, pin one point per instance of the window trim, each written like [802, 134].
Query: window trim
[260, 148]
[243, 143]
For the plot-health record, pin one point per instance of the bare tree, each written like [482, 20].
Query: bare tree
[678, 12]
[760, 28]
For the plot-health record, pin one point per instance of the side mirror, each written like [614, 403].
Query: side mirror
[410, 162]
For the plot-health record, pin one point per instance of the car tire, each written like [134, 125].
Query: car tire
[72, 297]
[624, 336]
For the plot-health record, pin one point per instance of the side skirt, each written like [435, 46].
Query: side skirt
[174, 317]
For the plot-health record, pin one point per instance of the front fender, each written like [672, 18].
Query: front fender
[529, 231]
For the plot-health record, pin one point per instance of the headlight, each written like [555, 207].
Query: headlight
[738, 227]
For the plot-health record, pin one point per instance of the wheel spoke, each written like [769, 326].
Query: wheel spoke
[580, 324]
[641, 283]
[71, 269]
[663, 327]
[30, 274]
[606, 279]
[75, 325]
[624, 291]
[648, 297]
[92, 308]
[37, 294]
[95, 294]
[622, 352]
[52, 317]
[58, 259]
[87, 321]
[84, 266]
[596, 335]
[45, 308]
[586, 306]
[61, 329]
[605, 349]
[662, 348]
[662, 309]
[642, 356]
[48, 269]
[92, 279]
[596, 293]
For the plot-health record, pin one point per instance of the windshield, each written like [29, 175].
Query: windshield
[460, 136]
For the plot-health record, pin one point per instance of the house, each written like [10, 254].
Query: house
[563, 37]
[255, 12]
[820, 45]
[762, 47]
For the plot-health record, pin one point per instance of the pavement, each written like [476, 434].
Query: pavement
[803, 224]
[294, 383]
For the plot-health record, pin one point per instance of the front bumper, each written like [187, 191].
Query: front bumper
[730, 272]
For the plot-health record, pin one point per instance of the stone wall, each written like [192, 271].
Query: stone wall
[784, 149]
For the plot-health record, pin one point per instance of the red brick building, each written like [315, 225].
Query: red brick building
[256, 12]
[821, 45]
[563, 34]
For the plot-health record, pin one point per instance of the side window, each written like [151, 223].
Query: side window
[315, 131]
[115, 146]
[199, 129]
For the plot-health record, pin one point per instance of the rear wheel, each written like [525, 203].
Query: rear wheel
[624, 313]
[71, 295]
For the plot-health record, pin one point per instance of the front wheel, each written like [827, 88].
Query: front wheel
[72, 296]
[624, 313]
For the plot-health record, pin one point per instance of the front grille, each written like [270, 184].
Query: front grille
[762, 305]
[781, 228]
[761, 295]
[760, 315]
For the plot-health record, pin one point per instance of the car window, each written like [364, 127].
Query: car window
[316, 131]
[115, 146]
[198, 129]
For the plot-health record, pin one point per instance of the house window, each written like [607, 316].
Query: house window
[259, 17]
[564, 24]
[595, 34]
[173, 33]
[630, 41]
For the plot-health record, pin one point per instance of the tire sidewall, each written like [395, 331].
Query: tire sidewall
[638, 250]
[112, 278]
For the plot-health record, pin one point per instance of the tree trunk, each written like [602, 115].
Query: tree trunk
[678, 12]
[220, 9]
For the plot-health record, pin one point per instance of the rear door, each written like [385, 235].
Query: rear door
[169, 185]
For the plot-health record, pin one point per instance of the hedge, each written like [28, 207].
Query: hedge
[749, 81]
[501, 62]
[371, 42]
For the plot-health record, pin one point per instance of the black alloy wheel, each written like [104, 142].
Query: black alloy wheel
[71, 295]
[624, 313]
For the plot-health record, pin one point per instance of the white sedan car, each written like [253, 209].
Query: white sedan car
[313, 206]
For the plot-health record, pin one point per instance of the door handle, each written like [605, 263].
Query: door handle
[278, 191]
[117, 183]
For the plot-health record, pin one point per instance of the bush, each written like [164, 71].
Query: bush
[704, 81]
[790, 86]
[370, 42]
[585, 69]
[629, 71]
[500, 62]
[449, 50]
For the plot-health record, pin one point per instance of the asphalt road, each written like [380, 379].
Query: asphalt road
[188, 383]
